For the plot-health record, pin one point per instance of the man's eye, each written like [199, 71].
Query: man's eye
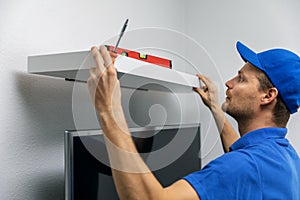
[240, 78]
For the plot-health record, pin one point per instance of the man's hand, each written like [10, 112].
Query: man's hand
[208, 93]
[103, 84]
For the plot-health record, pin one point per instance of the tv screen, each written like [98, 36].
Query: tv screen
[171, 152]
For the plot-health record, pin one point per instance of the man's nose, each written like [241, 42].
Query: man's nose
[229, 84]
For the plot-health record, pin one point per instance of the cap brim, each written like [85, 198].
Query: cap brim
[248, 55]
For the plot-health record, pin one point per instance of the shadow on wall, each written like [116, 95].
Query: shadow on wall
[45, 111]
[45, 100]
[48, 187]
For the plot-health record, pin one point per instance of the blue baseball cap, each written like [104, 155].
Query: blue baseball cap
[282, 68]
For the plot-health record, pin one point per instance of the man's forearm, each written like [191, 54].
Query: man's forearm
[132, 177]
[209, 96]
[227, 132]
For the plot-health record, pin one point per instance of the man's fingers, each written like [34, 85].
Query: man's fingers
[113, 54]
[106, 56]
[204, 79]
[208, 83]
[196, 90]
[93, 73]
[199, 91]
[92, 82]
[98, 59]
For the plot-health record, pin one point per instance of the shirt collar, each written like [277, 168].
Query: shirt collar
[257, 136]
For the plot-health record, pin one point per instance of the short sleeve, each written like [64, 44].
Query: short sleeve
[226, 177]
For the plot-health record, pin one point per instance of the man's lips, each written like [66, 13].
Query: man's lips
[228, 96]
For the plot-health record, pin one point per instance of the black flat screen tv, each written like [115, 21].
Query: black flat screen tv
[87, 172]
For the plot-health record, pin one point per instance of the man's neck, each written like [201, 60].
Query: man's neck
[247, 125]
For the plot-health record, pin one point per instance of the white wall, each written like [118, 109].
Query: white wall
[36, 110]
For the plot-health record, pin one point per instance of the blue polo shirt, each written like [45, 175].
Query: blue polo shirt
[261, 165]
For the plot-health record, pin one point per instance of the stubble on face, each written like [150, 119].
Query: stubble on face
[241, 100]
[240, 111]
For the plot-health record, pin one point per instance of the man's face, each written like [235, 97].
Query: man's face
[243, 94]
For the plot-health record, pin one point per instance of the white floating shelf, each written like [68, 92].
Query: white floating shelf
[132, 73]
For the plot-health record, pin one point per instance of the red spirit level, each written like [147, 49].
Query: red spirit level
[143, 57]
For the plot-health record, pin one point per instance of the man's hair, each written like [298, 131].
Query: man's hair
[281, 114]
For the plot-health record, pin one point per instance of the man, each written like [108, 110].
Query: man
[259, 165]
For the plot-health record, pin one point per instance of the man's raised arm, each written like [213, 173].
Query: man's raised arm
[209, 96]
[132, 177]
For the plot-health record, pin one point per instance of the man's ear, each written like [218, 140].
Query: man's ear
[269, 96]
